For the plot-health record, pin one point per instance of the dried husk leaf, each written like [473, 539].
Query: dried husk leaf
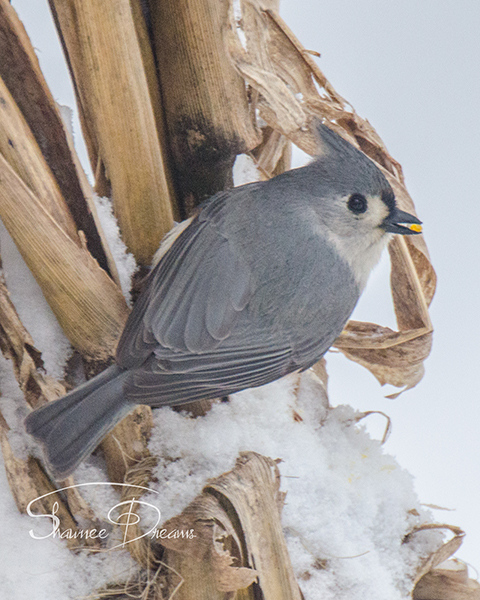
[413, 284]
[392, 357]
[443, 553]
[112, 65]
[251, 491]
[126, 445]
[273, 154]
[286, 80]
[229, 578]
[138, 475]
[21, 73]
[85, 301]
[209, 562]
[257, 69]
[320, 370]
[17, 345]
[448, 581]
[20, 149]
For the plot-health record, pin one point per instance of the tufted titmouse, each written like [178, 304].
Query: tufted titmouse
[259, 283]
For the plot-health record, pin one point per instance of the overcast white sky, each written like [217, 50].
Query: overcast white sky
[411, 68]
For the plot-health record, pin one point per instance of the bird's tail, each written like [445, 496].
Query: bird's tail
[71, 428]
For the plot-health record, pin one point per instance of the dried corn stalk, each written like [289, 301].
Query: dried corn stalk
[205, 102]
[26, 478]
[38, 166]
[20, 71]
[108, 51]
[86, 302]
[34, 148]
[238, 537]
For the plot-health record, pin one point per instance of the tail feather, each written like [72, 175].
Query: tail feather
[71, 428]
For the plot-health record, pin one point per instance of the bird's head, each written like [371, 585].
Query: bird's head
[356, 194]
[356, 204]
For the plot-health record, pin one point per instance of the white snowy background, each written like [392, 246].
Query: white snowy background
[408, 68]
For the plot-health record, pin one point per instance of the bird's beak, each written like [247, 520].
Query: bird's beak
[402, 222]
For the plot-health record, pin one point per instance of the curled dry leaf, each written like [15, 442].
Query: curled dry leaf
[448, 581]
[388, 426]
[291, 94]
[443, 553]
[215, 550]
[251, 491]
[393, 357]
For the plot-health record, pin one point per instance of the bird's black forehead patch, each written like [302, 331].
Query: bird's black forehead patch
[388, 197]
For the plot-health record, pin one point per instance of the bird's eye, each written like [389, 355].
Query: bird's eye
[357, 204]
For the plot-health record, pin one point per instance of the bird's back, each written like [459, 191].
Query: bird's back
[263, 294]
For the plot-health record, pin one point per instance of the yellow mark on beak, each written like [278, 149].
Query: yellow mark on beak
[415, 227]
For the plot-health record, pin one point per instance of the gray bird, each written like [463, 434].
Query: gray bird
[259, 284]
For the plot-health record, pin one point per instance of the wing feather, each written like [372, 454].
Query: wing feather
[193, 297]
[214, 375]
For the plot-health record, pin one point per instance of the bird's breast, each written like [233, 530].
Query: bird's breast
[303, 287]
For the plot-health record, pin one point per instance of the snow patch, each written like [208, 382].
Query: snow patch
[124, 260]
[349, 505]
[244, 170]
[46, 569]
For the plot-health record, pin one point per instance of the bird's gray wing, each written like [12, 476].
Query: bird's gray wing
[252, 356]
[200, 329]
[215, 374]
[193, 297]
